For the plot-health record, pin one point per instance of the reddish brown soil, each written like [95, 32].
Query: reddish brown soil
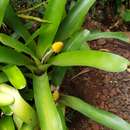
[109, 91]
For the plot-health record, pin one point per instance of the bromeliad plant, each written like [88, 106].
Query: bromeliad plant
[61, 43]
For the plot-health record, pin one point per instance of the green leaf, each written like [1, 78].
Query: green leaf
[33, 36]
[3, 77]
[53, 13]
[17, 45]
[26, 127]
[126, 15]
[61, 110]
[20, 107]
[116, 35]
[3, 7]
[58, 75]
[105, 118]
[14, 22]
[49, 117]
[6, 123]
[6, 99]
[18, 122]
[74, 19]
[6, 110]
[15, 76]
[10, 56]
[97, 59]
[74, 43]
[85, 46]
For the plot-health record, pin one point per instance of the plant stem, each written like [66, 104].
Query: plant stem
[28, 17]
[47, 56]
[32, 8]
[49, 117]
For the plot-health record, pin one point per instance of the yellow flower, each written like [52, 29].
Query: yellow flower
[56, 95]
[57, 47]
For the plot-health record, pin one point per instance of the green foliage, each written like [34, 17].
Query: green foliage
[49, 118]
[74, 19]
[18, 81]
[3, 6]
[35, 55]
[10, 56]
[107, 119]
[53, 13]
[6, 123]
[14, 22]
[113, 63]
[126, 15]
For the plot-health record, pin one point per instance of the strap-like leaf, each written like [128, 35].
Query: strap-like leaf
[116, 35]
[3, 6]
[74, 43]
[53, 14]
[33, 36]
[15, 76]
[105, 118]
[74, 20]
[97, 59]
[10, 56]
[17, 45]
[61, 110]
[14, 22]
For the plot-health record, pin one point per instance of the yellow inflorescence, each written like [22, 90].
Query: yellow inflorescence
[57, 47]
[56, 95]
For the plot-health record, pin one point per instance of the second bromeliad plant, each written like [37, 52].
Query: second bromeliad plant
[63, 35]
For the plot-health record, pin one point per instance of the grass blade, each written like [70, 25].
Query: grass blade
[17, 45]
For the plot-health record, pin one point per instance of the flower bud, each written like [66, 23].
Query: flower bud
[56, 95]
[57, 47]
